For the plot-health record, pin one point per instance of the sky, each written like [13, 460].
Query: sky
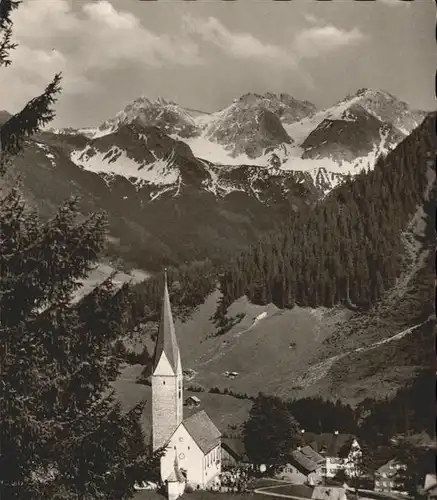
[207, 53]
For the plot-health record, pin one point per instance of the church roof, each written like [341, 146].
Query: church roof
[166, 341]
[203, 430]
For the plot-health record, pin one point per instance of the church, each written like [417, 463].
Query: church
[193, 444]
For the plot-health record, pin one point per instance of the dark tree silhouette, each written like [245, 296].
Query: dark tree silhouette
[270, 432]
[63, 434]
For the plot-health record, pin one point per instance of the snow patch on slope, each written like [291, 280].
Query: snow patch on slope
[47, 153]
[102, 272]
[324, 171]
[116, 162]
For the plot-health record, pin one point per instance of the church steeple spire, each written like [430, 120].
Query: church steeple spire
[166, 342]
[167, 378]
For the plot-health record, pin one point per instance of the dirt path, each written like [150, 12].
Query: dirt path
[320, 370]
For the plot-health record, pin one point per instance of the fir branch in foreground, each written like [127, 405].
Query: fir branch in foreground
[30, 119]
[6, 44]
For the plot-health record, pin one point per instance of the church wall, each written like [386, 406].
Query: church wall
[212, 464]
[189, 455]
[175, 490]
[165, 417]
[180, 399]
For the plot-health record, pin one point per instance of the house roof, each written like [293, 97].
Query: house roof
[302, 463]
[235, 447]
[431, 484]
[194, 398]
[312, 455]
[203, 430]
[387, 468]
[328, 444]
[166, 341]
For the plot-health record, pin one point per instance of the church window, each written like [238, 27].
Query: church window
[181, 439]
[163, 382]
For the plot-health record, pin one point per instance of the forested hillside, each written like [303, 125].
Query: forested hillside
[190, 284]
[348, 248]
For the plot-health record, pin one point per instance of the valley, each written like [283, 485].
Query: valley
[180, 186]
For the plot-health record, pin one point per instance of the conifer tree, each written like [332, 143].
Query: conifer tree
[270, 432]
[63, 435]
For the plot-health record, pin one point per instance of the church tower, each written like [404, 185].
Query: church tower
[167, 402]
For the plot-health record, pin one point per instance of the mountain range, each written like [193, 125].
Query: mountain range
[180, 184]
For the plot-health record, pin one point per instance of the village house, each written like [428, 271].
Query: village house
[312, 455]
[304, 467]
[192, 402]
[386, 478]
[193, 444]
[234, 453]
[430, 486]
[340, 451]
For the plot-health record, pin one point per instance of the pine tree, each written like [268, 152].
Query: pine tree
[6, 44]
[270, 432]
[63, 435]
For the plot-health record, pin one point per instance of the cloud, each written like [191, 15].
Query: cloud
[309, 18]
[237, 45]
[80, 43]
[318, 41]
[93, 42]
[308, 43]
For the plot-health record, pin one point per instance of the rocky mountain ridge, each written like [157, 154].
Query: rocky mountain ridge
[176, 184]
[278, 131]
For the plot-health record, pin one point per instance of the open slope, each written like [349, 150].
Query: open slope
[228, 411]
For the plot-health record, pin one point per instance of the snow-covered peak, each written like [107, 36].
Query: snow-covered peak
[284, 105]
[163, 101]
[274, 131]
[163, 113]
[385, 107]
[253, 123]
